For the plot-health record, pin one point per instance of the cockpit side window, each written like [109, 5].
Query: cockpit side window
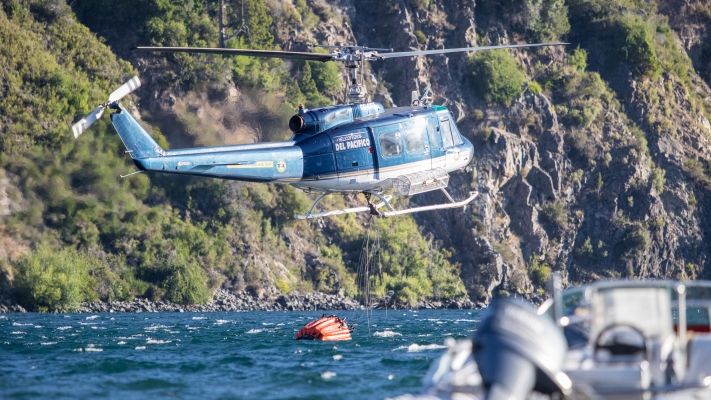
[446, 130]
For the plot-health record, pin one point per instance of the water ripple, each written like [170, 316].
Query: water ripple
[220, 355]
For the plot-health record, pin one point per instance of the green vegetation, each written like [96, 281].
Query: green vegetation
[553, 218]
[698, 172]
[185, 282]
[54, 280]
[548, 20]
[88, 234]
[635, 242]
[583, 94]
[496, 76]
[419, 4]
[421, 37]
[408, 266]
[164, 237]
[589, 254]
[579, 59]
[632, 45]
[658, 179]
[543, 20]
[177, 23]
[534, 88]
[539, 271]
[692, 199]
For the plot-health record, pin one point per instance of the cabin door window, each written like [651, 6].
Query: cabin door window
[436, 146]
[417, 145]
[414, 140]
[389, 148]
[390, 144]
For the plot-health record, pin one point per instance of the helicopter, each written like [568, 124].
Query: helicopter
[355, 147]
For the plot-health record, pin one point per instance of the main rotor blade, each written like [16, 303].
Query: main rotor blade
[125, 89]
[461, 49]
[241, 52]
[86, 122]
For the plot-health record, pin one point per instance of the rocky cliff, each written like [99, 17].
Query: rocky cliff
[620, 194]
[598, 167]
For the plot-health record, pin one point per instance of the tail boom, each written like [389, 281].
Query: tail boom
[259, 162]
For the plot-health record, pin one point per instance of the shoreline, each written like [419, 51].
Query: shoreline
[246, 301]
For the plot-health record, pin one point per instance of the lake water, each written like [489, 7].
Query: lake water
[241, 355]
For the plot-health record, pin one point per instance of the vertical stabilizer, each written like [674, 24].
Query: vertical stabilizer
[138, 142]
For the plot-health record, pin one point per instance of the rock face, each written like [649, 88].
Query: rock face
[622, 195]
[621, 191]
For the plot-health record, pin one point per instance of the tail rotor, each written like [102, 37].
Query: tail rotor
[125, 89]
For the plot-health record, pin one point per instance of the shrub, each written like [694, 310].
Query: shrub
[548, 20]
[47, 280]
[185, 282]
[283, 286]
[579, 59]
[497, 77]
[326, 76]
[552, 215]
[586, 250]
[539, 271]
[408, 264]
[635, 242]
[481, 134]
[697, 171]
[534, 88]
[658, 179]
[419, 4]
[421, 37]
[692, 199]
[581, 113]
[632, 44]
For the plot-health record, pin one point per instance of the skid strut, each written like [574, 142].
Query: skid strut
[385, 201]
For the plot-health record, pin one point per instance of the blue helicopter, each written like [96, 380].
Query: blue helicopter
[357, 147]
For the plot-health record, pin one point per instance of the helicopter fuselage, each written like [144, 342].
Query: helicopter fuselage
[364, 148]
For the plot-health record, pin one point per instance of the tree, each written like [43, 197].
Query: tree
[632, 45]
[47, 280]
[185, 282]
[539, 271]
[258, 20]
[497, 77]
[308, 87]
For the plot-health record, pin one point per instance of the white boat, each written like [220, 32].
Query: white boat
[623, 340]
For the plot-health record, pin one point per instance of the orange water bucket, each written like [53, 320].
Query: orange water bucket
[325, 328]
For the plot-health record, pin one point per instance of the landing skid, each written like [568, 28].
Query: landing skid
[385, 201]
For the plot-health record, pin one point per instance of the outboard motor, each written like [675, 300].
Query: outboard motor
[518, 350]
